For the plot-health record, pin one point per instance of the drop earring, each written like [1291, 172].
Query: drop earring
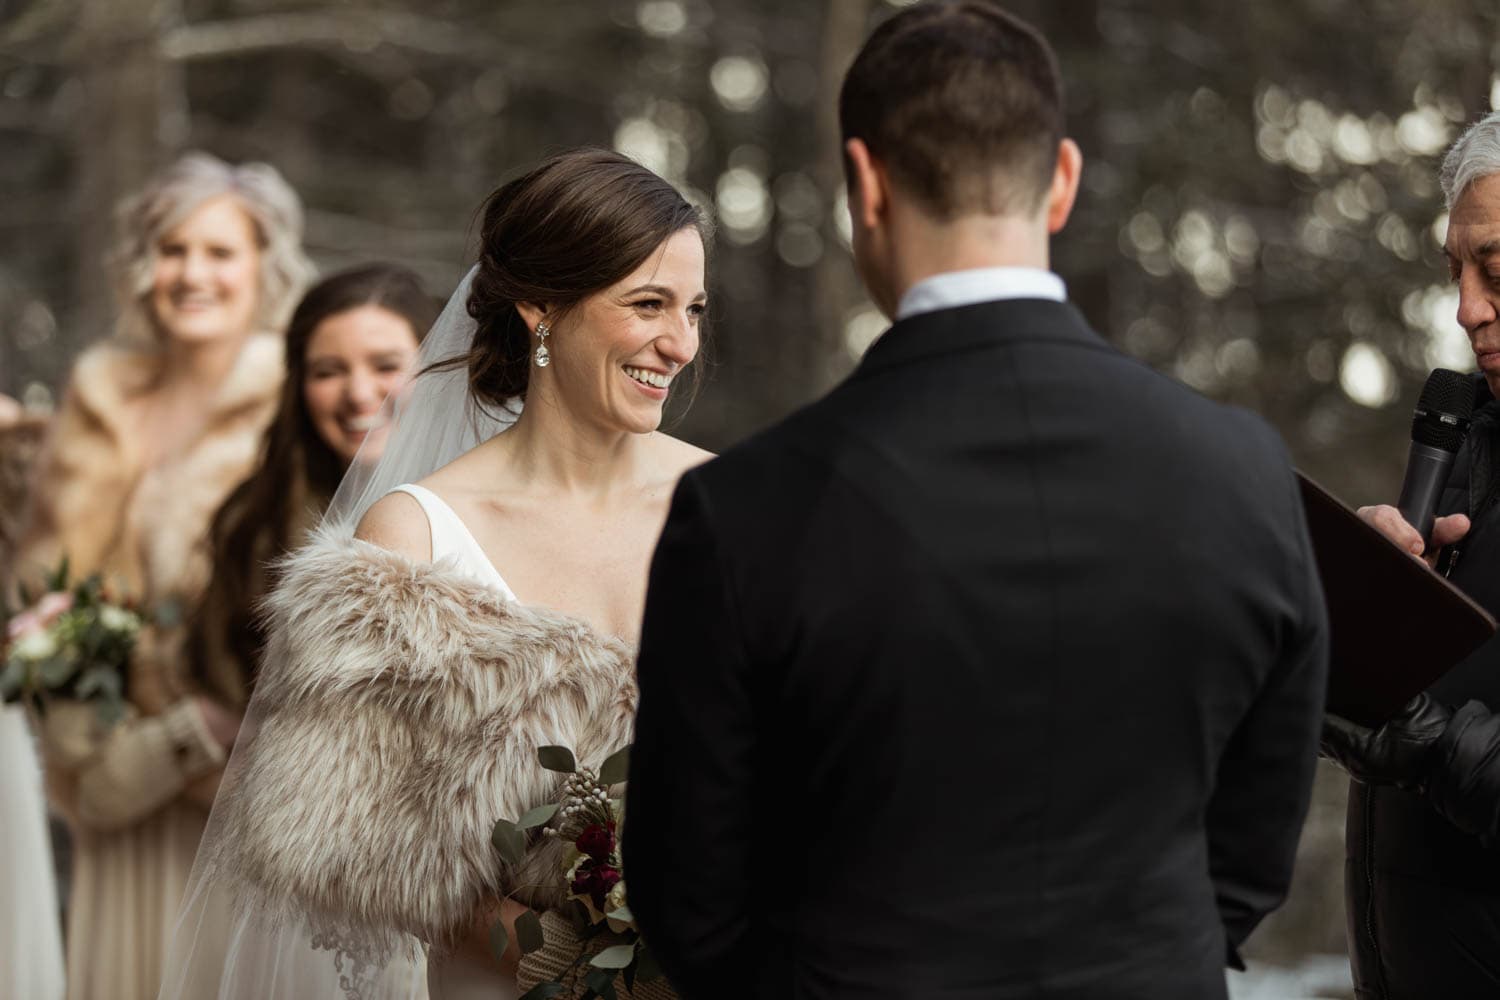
[543, 356]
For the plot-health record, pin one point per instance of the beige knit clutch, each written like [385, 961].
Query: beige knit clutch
[557, 960]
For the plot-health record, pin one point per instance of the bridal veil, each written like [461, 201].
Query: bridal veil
[231, 941]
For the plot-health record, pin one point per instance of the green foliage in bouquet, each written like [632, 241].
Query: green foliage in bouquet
[71, 642]
[587, 821]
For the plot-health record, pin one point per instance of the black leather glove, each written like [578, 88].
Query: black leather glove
[1398, 753]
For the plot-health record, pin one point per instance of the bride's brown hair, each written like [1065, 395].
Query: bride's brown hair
[570, 227]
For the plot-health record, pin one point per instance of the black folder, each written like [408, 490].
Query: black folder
[1396, 626]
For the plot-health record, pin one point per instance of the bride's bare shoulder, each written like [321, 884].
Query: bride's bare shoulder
[677, 456]
[397, 522]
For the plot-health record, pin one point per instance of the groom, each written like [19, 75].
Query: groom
[999, 671]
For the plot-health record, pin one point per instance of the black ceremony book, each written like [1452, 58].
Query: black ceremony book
[1395, 625]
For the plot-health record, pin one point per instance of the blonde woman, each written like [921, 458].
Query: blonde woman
[159, 423]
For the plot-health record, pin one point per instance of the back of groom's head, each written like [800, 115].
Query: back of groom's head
[963, 104]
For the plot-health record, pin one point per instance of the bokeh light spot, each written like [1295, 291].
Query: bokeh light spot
[1366, 376]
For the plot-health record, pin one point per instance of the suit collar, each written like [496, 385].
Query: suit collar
[952, 289]
[985, 324]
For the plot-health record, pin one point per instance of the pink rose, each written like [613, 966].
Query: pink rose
[41, 615]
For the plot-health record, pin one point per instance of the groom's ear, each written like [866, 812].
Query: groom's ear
[868, 187]
[1064, 189]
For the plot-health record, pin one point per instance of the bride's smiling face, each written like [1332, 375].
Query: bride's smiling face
[616, 354]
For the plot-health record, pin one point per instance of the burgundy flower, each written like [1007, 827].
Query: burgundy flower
[597, 841]
[594, 879]
[603, 879]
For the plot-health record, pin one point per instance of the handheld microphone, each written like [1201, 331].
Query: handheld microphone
[1438, 428]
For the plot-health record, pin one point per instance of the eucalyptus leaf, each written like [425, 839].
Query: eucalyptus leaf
[578, 916]
[544, 991]
[12, 680]
[55, 671]
[168, 614]
[537, 816]
[615, 957]
[602, 982]
[623, 914]
[59, 579]
[111, 710]
[529, 935]
[499, 941]
[96, 680]
[557, 759]
[616, 767]
[646, 968]
[509, 841]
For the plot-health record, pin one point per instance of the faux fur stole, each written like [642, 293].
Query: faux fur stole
[397, 716]
[95, 500]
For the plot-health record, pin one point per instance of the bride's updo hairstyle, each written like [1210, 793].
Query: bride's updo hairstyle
[571, 227]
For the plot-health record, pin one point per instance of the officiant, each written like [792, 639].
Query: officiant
[1423, 832]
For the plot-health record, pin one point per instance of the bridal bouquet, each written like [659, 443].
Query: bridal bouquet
[598, 942]
[72, 642]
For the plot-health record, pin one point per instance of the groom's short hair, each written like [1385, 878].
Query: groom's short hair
[963, 104]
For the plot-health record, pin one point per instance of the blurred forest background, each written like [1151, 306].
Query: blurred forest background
[1260, 215]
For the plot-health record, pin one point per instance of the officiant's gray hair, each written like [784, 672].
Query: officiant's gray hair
[1475, 155]
[175, 193]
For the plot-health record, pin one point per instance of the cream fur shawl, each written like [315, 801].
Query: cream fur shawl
[97, 502]
[397, 716]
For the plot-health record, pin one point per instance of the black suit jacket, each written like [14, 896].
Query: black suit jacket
[1422, 873]
[996, 673]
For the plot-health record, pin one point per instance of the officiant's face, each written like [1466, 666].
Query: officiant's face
[615, 357]
[1473, 251]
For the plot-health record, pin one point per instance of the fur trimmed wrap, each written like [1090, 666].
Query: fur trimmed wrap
[397, 716]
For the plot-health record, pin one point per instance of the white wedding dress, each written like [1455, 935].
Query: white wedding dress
[31, 963]
[457, 977]
[253, 926]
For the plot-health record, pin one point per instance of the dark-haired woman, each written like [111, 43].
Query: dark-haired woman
[351, 343]
[487, 604]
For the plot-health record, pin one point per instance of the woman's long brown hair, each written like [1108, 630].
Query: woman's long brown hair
[268, 514]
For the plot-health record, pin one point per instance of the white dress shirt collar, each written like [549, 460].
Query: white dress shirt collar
[982, 284]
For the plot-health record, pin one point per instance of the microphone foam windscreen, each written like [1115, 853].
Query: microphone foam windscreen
[1443, 410]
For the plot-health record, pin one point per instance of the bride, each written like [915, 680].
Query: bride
[475, 595]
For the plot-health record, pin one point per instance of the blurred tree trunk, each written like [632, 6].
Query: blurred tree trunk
[787, 312]
[1084, 253]
[837, 285]
[132, 117]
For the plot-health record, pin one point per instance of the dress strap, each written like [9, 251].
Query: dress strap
[452, 538]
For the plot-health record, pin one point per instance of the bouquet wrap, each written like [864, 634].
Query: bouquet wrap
[557, 961]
